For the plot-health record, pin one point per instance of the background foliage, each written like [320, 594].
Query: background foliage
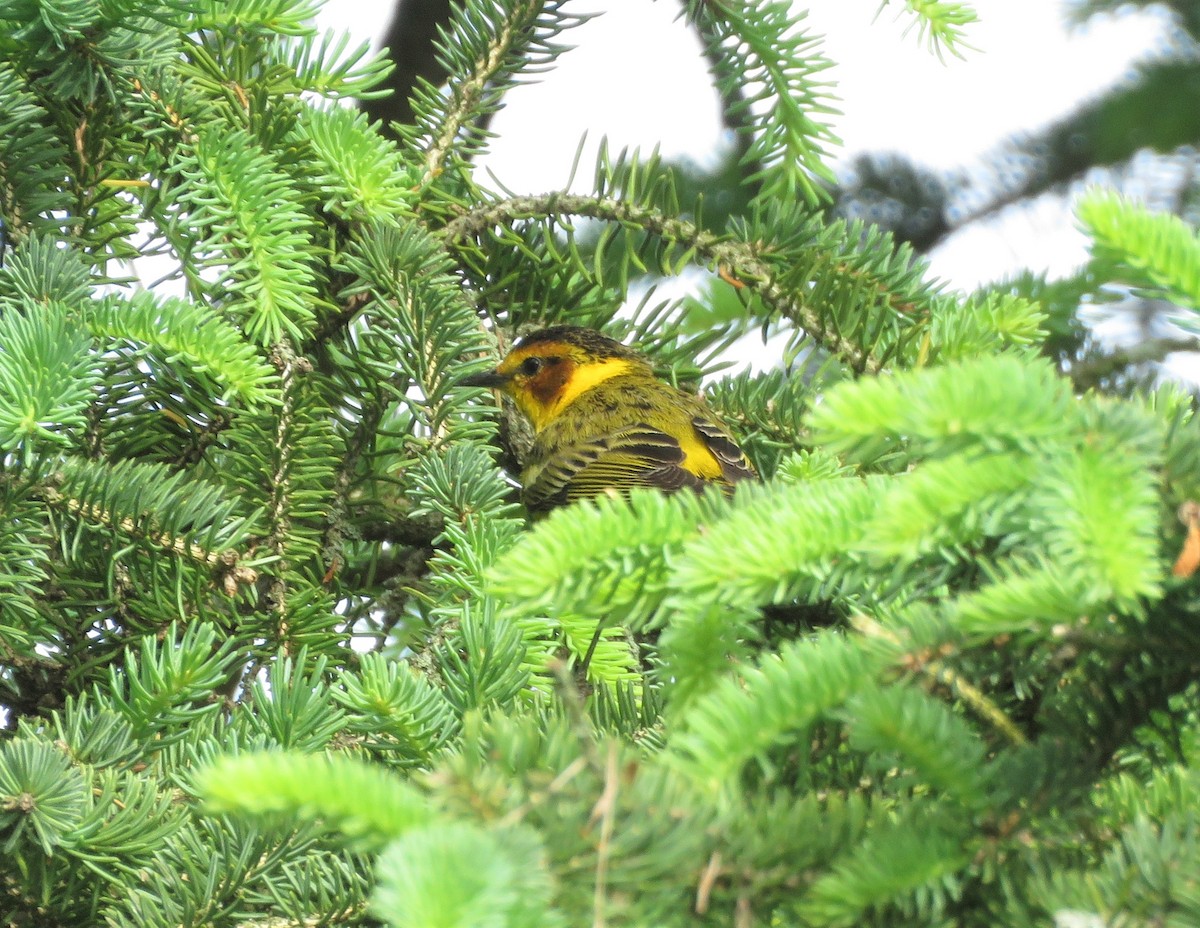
[278, 646]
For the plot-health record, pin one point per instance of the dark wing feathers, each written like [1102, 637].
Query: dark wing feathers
[734, 463]
[635, 456]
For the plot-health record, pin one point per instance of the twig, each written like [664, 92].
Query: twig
[939, 672]
[737, 259]
[467, 94]
[605, 811]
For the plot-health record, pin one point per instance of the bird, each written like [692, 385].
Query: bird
[604, 423]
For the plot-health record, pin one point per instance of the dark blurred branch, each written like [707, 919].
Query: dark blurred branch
[410, 39]
[730, 101]
[1092, 372]
[1160, 111]
[413, 532]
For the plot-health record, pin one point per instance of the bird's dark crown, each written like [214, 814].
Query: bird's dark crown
[589, 340]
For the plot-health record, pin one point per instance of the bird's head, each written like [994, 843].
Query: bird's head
[547, 370]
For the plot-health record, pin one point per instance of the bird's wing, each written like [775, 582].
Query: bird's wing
[636, 456]
[734, 464]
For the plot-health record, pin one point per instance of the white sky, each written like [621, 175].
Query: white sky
[637, 77]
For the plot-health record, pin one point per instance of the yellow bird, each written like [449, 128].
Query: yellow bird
[602, 421]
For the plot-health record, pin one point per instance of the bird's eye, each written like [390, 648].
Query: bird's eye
[531, 366]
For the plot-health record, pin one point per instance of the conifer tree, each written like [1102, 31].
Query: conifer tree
[279, 645]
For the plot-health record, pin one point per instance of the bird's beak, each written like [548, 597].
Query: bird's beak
[490, 378]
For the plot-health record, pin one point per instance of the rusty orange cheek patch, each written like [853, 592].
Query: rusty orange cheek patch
[550, 381]
[543, 397]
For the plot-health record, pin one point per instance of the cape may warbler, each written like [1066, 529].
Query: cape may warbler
[602, 421]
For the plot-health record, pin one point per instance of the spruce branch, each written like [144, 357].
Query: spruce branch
[416, 327]
[761, 48]
[225, 560]
[201, 441]
[938, 672]
[939, 23]
[1149, 249]
[486, 49]
[191, 333]
[739, 260]
[467, 93]
[362, 174]
[739, 717]
[291, 367]
[169, 515]
[32, 160]
[254, 234]
[366, 803]
[340, 527]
